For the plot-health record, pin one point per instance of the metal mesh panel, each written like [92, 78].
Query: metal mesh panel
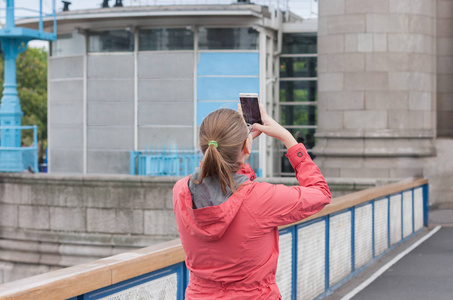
[395, 218]
[363, 235]
[418, 208]
[284, 267]
[380, 226]
[407, 213]
[311, 260]
[340, 247]
[161, 288]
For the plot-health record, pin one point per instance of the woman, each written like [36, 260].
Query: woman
[227, 222]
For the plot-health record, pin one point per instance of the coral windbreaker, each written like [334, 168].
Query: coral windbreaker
[232, 248]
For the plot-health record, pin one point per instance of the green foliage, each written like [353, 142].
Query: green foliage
[32, 89]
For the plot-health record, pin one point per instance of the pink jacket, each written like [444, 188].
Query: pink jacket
[232, 247]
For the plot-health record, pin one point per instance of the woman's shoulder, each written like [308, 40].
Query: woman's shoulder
[254, 190]
[181, 182]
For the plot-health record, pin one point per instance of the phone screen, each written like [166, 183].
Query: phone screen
[251, 110]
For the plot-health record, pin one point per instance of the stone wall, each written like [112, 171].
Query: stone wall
[445, 68]
[50, 221]
[376, 87]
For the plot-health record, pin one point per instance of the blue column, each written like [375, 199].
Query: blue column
[10, 111]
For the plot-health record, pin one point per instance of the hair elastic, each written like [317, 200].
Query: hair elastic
[213, 143]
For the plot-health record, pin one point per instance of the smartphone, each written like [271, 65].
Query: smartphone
[250, 108]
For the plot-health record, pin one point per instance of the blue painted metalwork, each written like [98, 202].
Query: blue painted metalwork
[14, 41]
[352, 239]
[172, 162]
[413, 211]
[425, 205]
[177, 269]
[294, 263]
[294, 242]
[389, 242]
[373, 224]
[327, 259]
[19, 159]
[402, 216]
[186, 277]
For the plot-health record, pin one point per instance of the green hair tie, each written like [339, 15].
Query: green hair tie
[213, 143]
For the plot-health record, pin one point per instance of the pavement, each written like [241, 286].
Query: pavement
[426, 272]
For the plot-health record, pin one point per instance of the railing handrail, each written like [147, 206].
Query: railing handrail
[83, 278]
[19, 127]
[359, 197]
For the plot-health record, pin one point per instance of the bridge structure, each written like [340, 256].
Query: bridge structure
[14, 40]
[318, 255]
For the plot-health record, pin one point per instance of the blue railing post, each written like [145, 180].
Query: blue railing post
[132, 168]
[353, 239]
[426, 205]
[35, 145]
[327, 255]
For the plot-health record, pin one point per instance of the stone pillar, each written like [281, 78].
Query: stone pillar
[376, 87]
[445, 68]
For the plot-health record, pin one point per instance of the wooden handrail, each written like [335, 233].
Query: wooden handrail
[356, 198]
[84, 278]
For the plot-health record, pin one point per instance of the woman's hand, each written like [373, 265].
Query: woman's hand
[255, 133]
[271, 128]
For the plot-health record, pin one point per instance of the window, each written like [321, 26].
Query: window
[298, 67]
[298, 43]
[111, 41]
[68, 44]
[298, 91]
[165, 39]
[227, 38]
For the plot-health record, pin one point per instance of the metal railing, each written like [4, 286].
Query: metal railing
[40, 10]
[317, 255]
[173, 162]
[19, 159]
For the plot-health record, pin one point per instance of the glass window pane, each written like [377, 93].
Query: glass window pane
[299, 43]
[165, 39]
[227, 38]
[298, 91]
[111, 41]
[303, 135]
[68, 44]
[298, 114]
[298, 67]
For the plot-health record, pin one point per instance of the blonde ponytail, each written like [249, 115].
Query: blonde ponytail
[222, 136]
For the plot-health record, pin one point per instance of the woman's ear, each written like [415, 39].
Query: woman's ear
[247, 146]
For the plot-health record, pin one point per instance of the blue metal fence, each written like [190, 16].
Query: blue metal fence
[173, 162]
[316, 257]
[19, 159]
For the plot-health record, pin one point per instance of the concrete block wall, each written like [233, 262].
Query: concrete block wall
[445, 68]
[65, 114]
[376, 87]
[53, 221]
[110, 112]
[165, 99]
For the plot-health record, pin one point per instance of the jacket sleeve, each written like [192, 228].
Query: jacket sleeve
[275, 205]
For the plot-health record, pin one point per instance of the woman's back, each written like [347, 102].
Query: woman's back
[232, 245]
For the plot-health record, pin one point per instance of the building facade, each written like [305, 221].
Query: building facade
[366, 86]
[123, 79]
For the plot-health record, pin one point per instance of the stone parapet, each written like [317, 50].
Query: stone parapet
[50, 221]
